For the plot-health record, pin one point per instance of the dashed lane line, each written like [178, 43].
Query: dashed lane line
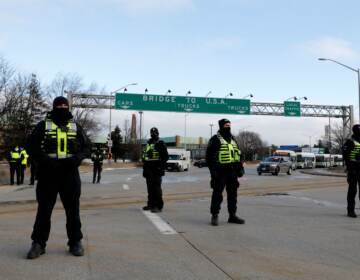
[125, 187]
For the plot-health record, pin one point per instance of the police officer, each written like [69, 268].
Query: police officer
[97, 157]
[155, 156]
[58, 145]
[23, 163]
[223, 158]
[351, 155]
[14, 161]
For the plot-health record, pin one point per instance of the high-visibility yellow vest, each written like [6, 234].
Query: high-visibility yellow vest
[59, 142]
[25, 156]
[150, 154]
[355, 153]
[14, 156]
[228, 152]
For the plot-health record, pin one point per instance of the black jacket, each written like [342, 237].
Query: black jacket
[158, 165]
[45, 163]
[212, 161]
[346, 151]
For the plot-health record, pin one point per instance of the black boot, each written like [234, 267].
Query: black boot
[233, 219]
[76, 249]
[215, 220]
[146, 208]
[35, 251]
[351, 214]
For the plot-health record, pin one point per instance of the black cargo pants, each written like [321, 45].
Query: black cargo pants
[228, 180]
[353, 178]
[15, 169]
[153, 183]
[97, 171]
[67, 184]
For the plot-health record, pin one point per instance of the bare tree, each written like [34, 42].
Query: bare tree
[72, 83]
[250, 144]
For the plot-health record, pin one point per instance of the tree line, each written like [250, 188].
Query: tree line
[24, 101]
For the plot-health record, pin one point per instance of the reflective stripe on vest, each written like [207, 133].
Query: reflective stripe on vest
[355, 153]
[24, 153]
[14, 156]
[61, 138]
[154, 154]
[228, 152]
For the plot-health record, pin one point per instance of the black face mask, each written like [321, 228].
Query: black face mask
[226, 131]
[154, 135]
[60, 115]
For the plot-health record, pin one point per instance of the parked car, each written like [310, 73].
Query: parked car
[200, 163]
[275, 165]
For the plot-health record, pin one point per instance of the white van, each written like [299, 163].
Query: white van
[179, 160]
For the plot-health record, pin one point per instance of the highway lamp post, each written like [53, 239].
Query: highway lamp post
[229, 94]
[141, 120]
[208, 93]
[110, 107]
[248, 96]
[185, 117]
[211, 126]
[350, 68]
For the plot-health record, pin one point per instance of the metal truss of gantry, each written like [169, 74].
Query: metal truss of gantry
[78, 100]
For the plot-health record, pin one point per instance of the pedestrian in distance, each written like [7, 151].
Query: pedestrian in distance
[155, 156]
[58, 145]
[14, 163]
[351, 155]
[97, 158]
[23, 164]
[223, 157]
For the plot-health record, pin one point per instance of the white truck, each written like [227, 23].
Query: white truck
[179, 160]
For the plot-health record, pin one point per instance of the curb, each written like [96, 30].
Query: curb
[322, 174]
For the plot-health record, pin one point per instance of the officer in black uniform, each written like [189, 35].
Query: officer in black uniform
[155, 156]
[58, 145]
[223, 157]
[14, 159]
[97, 157]
[351, 155]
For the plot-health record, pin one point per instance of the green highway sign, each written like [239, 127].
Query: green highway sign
[170, 103]
[292, 109]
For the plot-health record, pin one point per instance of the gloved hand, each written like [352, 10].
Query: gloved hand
[240, 170]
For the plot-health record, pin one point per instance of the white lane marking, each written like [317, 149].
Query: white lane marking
[318, 202]
[129, 179]
[126, 187]
[159, 223]
[118, 168]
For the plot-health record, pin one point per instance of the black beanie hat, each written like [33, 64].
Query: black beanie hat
[60, 100]
[154, 130]
[222, 122]
[356, 128]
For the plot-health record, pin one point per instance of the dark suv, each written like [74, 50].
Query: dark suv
[200, 163]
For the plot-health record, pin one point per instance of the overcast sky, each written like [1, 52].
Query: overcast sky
[267, 48]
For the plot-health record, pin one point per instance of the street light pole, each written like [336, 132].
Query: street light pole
[189, 92]
[350, 68]
[110, 105]
[211, 126]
